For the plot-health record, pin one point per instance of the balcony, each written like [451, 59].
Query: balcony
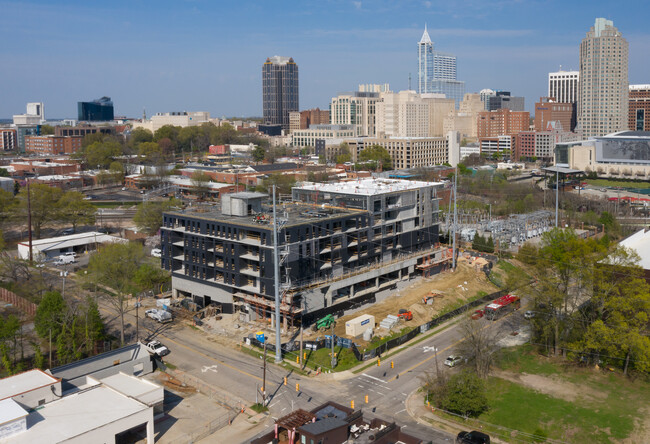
[250, 271]
[251, 256]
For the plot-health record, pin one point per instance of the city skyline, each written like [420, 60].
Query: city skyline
[198, 56]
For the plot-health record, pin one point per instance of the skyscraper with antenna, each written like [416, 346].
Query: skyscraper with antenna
[437, 71]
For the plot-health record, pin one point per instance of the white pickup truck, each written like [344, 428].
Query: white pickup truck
[161, 316]
[157, 348]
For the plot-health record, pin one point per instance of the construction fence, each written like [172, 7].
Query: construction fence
[386, 346]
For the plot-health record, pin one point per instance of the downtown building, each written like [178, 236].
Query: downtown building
[408, 114]
[356, 108]
[563, 87]
[497, 131]
[280, 90]
[100, 110]
[52, 145]
[604, 91]
[639, 108]
[437, 71]
[338, 244]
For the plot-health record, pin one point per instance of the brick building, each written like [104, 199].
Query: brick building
[548, 110]
[502, 121]
[52, 145]
[302, 119]
[639, 109]
[82, 130]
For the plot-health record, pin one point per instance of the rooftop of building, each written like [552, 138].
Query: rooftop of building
[72, 240]
[25, 382]
[627, 135]
[75, 414]
[640, 243]
[366, 187]
[639, 87]
[291, 213]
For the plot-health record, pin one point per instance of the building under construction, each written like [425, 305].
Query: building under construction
[337, 243]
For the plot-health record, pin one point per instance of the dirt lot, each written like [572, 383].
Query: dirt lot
[458, 286]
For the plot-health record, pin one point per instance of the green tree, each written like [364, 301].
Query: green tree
[75, 210]
[4, 172]
[140, 135]
[94, 329]
[44, 208]
[258, 153]
[39, 358]
[283, 183]
[151, 152]
[148, 216]
[47, 130]
[150, 278]
[100, 153]
[50, 315]
[464, 394]
[610, 224]
[200, 184]
[377, 156]
[167, 132]
[115, 266]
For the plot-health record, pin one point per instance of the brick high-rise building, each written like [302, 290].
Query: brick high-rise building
[548, 110]
[502, 122]
[603, 98]
[280, 94]
[639, 108]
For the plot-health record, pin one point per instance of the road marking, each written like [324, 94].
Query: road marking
[212, 368]
[427, 349]
[436, 354]
[167, 338]
[376, 379]
[404, 394]
[403, 410]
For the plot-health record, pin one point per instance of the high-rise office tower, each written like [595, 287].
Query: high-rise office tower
[99, 110]
[437, 71]
[603, 92]
[279, 90]
[563, 86]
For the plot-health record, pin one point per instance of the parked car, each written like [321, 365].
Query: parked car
[529, 314]
[156, 252]
[157, 348]
[70, 254]
[161, 316]
[453, 360]
[68, 231]
[64, 260]
[472, 437]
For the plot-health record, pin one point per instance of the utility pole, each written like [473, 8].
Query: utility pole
[453, 251]
[276, 284]
[300, 357]
[264, 376]
[333, 357]
[29, 221]
[435, 351]
[557, 195]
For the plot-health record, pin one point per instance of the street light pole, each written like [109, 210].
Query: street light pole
[276, 284]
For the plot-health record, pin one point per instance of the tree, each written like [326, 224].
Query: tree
[151, 152]
[464, 394]
[115, 266]
[479, 346]
[200, 184]
[100, 153]
[44, 208]
[282, 182]
[149, 278]
[377, 156]
[75, 210]
[4, 172]
[139, 135]
[46, 130]
[148, 216]
[50, 315]
[258, 153]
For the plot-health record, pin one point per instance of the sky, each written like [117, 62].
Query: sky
[207, 55]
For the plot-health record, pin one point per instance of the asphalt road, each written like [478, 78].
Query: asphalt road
[387, 388]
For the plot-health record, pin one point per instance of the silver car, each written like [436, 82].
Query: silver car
[453, 360]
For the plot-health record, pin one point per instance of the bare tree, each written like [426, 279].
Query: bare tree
[479, 345]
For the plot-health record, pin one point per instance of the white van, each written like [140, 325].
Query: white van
[64, 259]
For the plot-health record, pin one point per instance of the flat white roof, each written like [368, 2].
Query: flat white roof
[10, 411]
[77, 414]
[129, 385]
[24, 382]
[366, 187]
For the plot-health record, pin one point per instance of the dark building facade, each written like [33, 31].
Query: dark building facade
[280, 90]
[100, 110]
[357, 243]
[503, 100]
[639, 108]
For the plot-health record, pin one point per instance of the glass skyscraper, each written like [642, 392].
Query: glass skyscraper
[437, 71]
[279, 90]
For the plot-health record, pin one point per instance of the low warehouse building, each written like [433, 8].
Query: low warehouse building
[44, 249]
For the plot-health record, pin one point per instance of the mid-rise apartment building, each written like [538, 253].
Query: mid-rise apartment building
[310, 136]
[304, 119]
[639, 108]
[604, 91]
[82, 130]
[337, 243]
[174, 118]
[541, 144]
[52, 145]
[8, 139]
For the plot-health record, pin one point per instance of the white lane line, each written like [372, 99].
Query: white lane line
[404, 394]
[376, 379]
[403, 410]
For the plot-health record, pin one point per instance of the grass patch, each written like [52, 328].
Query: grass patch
[525, 360]
[618, 183]
[520, 408]
[170, 366]
[259, 408]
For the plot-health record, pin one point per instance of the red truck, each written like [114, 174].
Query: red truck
[499, 307]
